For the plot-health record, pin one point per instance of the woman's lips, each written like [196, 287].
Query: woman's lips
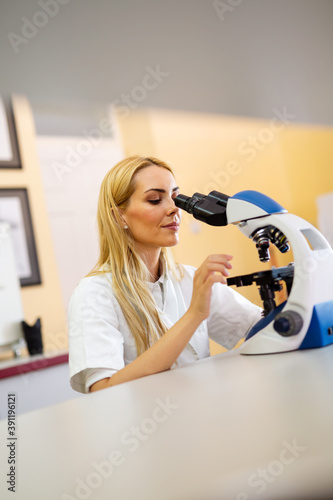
[172, 226]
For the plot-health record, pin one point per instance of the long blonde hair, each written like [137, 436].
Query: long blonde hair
[118, 254]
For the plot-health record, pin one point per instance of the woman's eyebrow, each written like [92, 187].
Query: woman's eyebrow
[161, 190]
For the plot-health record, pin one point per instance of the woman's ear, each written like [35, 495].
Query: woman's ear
[122, 219]
[118, 217]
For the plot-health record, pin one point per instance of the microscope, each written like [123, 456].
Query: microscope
[305, 319]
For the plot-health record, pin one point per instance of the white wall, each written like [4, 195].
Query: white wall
[250, 57]
[72, 169]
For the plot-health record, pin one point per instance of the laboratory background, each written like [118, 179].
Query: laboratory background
[235, 95]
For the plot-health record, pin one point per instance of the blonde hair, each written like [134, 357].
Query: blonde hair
[118, 254]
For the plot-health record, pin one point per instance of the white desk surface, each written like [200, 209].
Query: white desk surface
[241, 428]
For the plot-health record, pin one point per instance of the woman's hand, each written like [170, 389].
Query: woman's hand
[214, 269]
[163, 353]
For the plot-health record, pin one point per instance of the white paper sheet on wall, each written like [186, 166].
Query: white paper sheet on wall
[71, 195]
[325, 216]
[10, 212]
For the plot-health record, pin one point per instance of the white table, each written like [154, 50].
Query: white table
[237, 428]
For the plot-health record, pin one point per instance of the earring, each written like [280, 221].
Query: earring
[126, 226]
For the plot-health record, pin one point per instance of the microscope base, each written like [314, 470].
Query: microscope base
[320, 332]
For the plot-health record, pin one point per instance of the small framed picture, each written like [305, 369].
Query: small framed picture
[9, 150]
[15, 210]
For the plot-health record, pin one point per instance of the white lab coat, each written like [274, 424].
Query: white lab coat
[100, 341]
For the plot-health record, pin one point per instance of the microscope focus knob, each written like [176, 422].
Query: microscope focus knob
[288, 323]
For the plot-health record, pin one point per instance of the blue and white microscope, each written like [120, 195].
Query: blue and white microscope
[305, 319]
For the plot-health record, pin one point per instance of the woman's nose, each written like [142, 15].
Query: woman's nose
[172, 207]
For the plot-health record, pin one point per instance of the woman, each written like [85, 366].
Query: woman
[136, 313]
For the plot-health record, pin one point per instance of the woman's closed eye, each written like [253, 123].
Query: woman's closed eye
[154, 202]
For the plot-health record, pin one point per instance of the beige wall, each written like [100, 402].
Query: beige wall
[290, 163]
[45, 300]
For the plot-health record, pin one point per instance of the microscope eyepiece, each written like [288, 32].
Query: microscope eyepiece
[221, 199]
[211, 209]
[187, 203]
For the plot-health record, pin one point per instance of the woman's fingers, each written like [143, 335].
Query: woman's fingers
[214, 269]
[219, 263]
[223, 259]
[216, 277]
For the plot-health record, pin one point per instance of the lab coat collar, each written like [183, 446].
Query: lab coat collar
[163, 277]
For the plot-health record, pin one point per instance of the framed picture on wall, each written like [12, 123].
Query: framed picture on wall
[15, 210]
[9, 150]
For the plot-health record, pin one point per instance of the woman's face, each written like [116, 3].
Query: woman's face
[151, 214]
